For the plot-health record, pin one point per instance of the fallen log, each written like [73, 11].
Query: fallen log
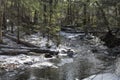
[21, 41]
[43, 51]
[36, 50]
[9, 47]
[70, 30]
[13, 51]
[30, 47]
[102, 32]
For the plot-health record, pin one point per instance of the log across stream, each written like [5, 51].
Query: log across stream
[7, 50]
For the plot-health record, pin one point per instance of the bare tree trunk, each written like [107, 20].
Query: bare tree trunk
[1, 27]
[12, 24]
[44, 18]
[4, 21]
[50, 19]
[36, 17]
[85, 19]
[69, 11]
[18, 23]
[116, 15]
[1, 20]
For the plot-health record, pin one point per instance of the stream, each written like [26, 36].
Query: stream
[90, 62]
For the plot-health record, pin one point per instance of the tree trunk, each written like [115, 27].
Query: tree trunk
[44, 19]
[50, 19]
[1, 27]
[85, 19]
[12, 25]
[4, 21]
[18, 23]
[1, 20]
[36, 17]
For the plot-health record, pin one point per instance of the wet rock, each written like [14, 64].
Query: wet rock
[89, 37]
[48, 55]
[28, 63]
[63, 51]
[70, 53]
[81, 37]
[94, 50]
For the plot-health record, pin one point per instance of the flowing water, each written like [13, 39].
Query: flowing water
[84, 63]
